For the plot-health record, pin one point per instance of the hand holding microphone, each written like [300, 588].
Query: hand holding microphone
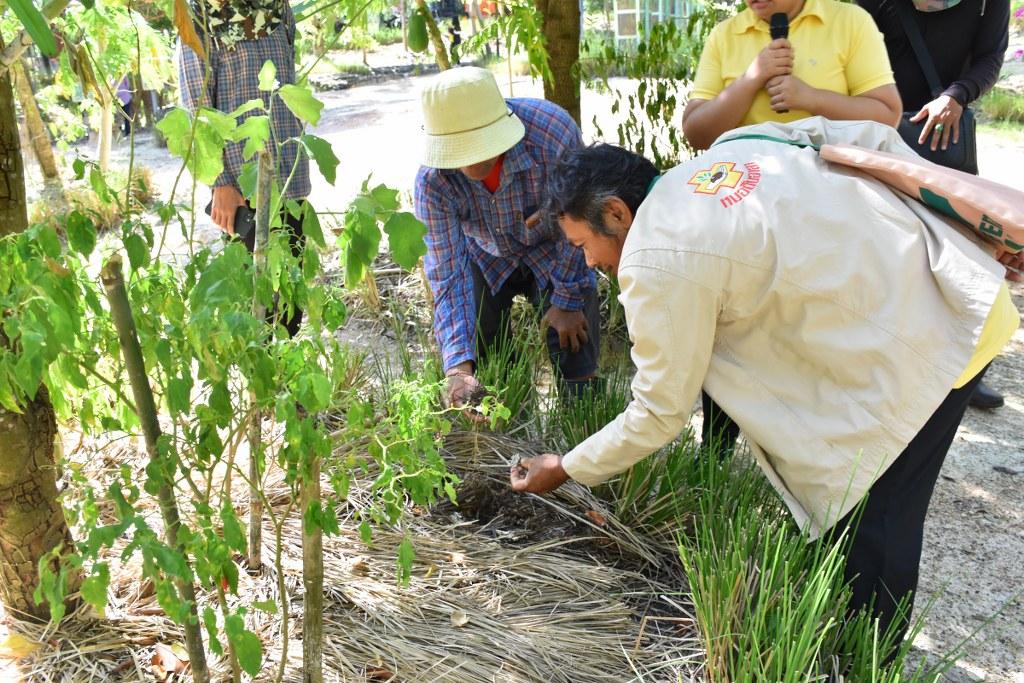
[779, 28]
[775, 60]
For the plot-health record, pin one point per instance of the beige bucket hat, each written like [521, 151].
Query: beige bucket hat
[466, 119]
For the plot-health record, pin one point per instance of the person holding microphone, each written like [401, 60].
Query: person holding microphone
[780, 61]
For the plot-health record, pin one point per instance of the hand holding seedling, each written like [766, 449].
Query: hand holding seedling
[539, 474]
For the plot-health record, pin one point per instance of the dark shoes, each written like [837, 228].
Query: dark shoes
[985, 396]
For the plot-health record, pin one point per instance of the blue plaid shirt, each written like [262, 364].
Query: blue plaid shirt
[233, 81]
[466, 221]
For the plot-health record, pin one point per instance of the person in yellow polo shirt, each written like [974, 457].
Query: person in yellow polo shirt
[833, 64]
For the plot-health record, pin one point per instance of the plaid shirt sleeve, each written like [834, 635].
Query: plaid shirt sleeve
[570, 276]
[448, 270]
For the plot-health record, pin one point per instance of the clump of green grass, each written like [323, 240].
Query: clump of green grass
[771, 605]
[1003, 105]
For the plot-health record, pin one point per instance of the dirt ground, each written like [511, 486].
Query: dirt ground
[975, 530]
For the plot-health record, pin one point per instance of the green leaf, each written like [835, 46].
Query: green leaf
[405, 239]
[48, 241]
[311, 225]
[268, 606]
[94, 588]
[301, 102]
[99, 185]
[255, 130]
[81, 233]
[323, 154]
[210, 621]
[360, 242]
[234, 535]
[36, 25]
[179, 391]
[138, 252]
[248, 107]
[247, 645]
[406, 555]
[365, 533]
[386, 198]
[268, 76]
[78, 166]
[247, 179]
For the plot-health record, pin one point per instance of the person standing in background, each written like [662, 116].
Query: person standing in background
[967, 41]
[833, 64]
[243, 35]
[124, 97]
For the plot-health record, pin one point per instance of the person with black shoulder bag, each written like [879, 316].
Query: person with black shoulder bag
[945, 54]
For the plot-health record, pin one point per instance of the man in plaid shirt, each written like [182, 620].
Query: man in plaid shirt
[240, 36]
[479, 192]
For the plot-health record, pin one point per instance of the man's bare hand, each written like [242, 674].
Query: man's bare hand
[538, 475]
[570, 325]
[464, 389]
[226, 200]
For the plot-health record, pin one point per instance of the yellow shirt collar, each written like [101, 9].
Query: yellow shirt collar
[747, 20]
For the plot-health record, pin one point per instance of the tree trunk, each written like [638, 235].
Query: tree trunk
[13, 206]
[31, 520]
[562, 34]
[37, 133]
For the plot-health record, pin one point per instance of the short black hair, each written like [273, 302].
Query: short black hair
[585, 178]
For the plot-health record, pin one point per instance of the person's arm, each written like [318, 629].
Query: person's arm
[988, 49]
[871, 94]
[713, 109]
[882, 104]
[448, 271]
[671, 323]
[199, 89]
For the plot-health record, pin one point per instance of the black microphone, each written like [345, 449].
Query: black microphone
[779, 27]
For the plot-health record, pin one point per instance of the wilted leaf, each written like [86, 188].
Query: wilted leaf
[459, 618]
[165, 662]
[596, 517]
[16, 646]
[379, 673]
[186, 29]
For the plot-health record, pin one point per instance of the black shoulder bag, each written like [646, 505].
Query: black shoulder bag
[963, 156]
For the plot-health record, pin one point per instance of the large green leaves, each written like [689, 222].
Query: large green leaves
[405, 238]
[321, 152]
[300, 100]
[360, 240]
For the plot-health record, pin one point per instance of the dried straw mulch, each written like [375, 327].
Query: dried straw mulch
[505, 589]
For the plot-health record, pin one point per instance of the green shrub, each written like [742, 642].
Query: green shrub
[1003, 105]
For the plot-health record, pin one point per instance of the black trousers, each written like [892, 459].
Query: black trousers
[494, 322]
[298, 241]
[884, 550]
[718, 428]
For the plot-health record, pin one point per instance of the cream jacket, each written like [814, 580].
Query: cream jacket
[828, 315]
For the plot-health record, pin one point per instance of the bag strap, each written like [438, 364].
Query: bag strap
[917, 43]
